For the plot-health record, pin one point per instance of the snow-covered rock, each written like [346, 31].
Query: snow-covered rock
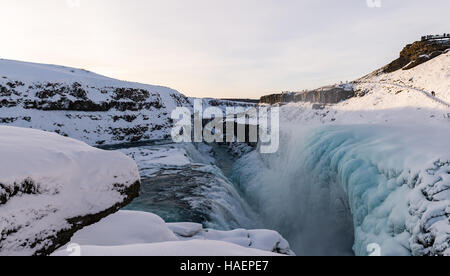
[124, 228]
[185, 229]
[133, 233]
[83, 105]
[262, 239]
[52, 186]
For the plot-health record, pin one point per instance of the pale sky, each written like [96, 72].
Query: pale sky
[218, 48]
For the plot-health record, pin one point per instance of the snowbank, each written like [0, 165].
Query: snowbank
[124, 228]
[133, 233]
[51, 186]
[180, 248]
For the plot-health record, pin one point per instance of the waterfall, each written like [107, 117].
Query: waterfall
[332, 187]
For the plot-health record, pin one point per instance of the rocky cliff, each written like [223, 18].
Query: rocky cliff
[324, 95]
[417, 53]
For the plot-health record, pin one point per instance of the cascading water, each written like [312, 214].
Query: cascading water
[333, 186]
[300, 200]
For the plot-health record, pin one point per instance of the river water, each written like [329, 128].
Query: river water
[195, 192]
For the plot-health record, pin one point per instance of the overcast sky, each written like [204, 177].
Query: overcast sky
[218, 48]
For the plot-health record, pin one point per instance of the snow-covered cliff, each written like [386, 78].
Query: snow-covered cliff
[83, 105]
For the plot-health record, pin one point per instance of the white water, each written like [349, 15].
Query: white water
[333, 187]
[307, 207]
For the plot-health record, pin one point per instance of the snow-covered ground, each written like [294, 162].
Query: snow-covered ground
[407, 88]
[51, 186]
[131, 233]
[194, 248]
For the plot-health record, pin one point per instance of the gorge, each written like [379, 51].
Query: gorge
[369, 165]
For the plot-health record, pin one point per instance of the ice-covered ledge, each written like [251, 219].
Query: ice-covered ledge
[52, 186]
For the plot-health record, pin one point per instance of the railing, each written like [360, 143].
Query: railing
[431, 37]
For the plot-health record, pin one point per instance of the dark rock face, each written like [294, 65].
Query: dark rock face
[63, 97]
[330, 95]
[27, 187]
[252, 101]
[417, 53]
[250, 132]
[231, 103]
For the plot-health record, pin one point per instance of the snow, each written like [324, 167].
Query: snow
[262, 239]
[124, 228]
[409, 87]
[131, 233]
[195, 248]
[69, 179]
[153, 159]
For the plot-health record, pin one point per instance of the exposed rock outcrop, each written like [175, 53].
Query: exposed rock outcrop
[51, 187]
[417, 53]
[324, 95]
